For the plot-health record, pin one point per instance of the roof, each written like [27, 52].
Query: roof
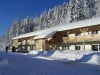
[50, 31]
[45, 35]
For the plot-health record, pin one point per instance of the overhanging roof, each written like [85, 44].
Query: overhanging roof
[45, 35]
[50, 31]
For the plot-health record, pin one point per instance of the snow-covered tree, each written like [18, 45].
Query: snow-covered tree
[90, 8]
[97, 4]
[74, 10]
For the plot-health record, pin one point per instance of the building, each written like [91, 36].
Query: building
[82, 35]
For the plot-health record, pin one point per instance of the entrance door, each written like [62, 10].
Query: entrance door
[95, 47]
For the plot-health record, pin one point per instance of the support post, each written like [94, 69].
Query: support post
[68, 39]
[84, 30]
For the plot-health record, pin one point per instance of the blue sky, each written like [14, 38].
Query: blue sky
[11, 9]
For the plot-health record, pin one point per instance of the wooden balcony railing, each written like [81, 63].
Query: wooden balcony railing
[94, 37]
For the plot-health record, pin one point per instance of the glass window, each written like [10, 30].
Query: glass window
[77, 47]
[65, 35]
[95, 47]
[95, 32]
[77, 34]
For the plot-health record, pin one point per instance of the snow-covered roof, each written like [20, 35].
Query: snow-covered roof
[28, 34]
[50, 31]
[80, 24]
[47, 34]
[37, 34]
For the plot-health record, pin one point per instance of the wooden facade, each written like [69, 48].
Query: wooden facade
[71, 39]
[83, 38]
[24, 44]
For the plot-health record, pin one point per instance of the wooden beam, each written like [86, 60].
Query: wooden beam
[84, 30]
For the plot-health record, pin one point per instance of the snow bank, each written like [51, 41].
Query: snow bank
[59, 54]
[34, 52]
[77, 56]
[95, 59]
[25, 65]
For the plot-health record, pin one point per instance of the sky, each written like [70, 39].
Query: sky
[11, 9]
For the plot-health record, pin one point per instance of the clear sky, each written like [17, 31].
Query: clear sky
[11, 9]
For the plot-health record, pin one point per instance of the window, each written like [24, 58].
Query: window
[65, 35]
[77, 34]
[77, 47]
[95, 32]
[95, 47]
[19, 40]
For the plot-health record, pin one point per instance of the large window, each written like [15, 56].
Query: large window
[95, 47]
[77, 48]
[95, 32]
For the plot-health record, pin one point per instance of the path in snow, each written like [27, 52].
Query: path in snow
[18, 64]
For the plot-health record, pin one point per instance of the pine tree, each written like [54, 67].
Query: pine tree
[90, 8]
[74, 10]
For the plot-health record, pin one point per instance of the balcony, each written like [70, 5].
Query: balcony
[94, 37]
[65, 39]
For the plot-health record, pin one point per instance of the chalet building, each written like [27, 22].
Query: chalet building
[82, 35]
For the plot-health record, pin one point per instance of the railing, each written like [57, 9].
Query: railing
[65, 39]
[94, 37]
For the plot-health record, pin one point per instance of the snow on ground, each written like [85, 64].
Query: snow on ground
[69, 55]
[3, 62]
[20, 64]
[95, 59]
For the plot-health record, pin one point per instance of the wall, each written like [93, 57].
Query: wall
[72, 47]
[39, 44]
[15, 43]
[88, 47]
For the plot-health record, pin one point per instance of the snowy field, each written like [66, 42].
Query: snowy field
[50, 63]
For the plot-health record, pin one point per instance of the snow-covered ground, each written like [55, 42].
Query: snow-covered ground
[50, 63]
[89, 57]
